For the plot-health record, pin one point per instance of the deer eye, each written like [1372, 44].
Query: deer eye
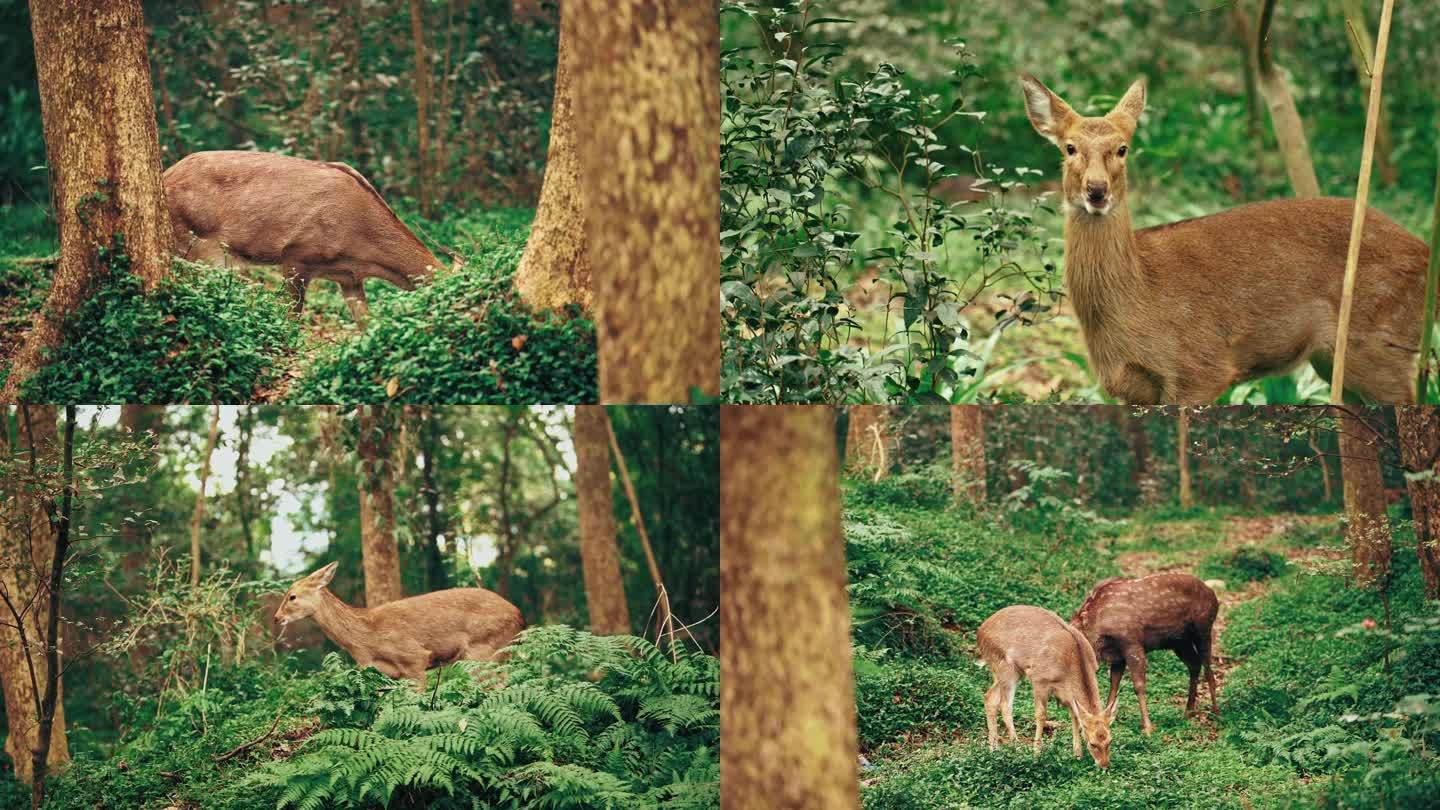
[1069, 148]
[1123, 149]
[292, 597]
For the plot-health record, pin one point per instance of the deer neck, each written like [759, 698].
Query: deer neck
[1102, 268]
[347, 626]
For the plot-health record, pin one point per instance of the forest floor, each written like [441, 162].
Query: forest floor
[920, 705]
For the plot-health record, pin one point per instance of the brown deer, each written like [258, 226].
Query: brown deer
[1179, 312]
[406, 637]
[1036, 643]
[313, 219]
[1124, 619]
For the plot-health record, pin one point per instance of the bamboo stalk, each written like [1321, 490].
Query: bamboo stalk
[1432, 287]
[1362, 195]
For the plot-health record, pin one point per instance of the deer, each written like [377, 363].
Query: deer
[406, 637]
[315, 220]
[1038, 644]
[1125, 618]
[1178, 313]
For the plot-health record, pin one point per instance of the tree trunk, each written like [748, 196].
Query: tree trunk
[1420, 452]
[647, 98]
[1284, 116]
[27, 549]
[422, 102]
[198, 515]
[867, 441]
[1362, 53]
[438, 575]
[104, 159]
[555, 269]
[1182, 450]
[1367, 528]
[1324, 468]
[599, 554]
[137, 420]
[787, 699]
[1240, 20]
[243, 505]
[378, 551]
[1139, 440]
[967, 452]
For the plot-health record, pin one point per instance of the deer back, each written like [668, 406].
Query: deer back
[1151, 611]
[443, 619]
[1044, 647]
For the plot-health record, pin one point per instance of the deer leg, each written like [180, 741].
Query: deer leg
[993, 697]
[1009, 706]
[1075, 729]
[1041, 699]
[1117, 671]
[1202, 646]
[1135, 660]
[1191, 658]
[354, 292]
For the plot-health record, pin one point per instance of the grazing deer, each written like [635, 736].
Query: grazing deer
[1034, 642]
[1124, 619]
[408, 636]
[314, 219]
[1180, 312]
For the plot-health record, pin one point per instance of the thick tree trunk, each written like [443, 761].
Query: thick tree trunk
[104, 159]
[787, 698]
[599, 554]
[198, 516]
[1182, 450]
[647, 98]
[967, 452]
[1420, 452]
[1284, 116]
[555, 269]
[1367, 528]
[378, 550]
[422, 102]
[27, 550]
[867, 441]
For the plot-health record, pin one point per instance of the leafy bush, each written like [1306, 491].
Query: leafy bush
[643, 733]
[204, 335]
[902, 698]
[929, 488]
[465, 337]
[1246, 564]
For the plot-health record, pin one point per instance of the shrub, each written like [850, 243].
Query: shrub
[204, 335]
[1245, 564]
[900, 698]
[465, 337]
[923, 489]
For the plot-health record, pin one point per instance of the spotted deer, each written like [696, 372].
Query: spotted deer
[1033, 642]
[1124, 619]
[406, 637]
[1178, 313]
[315, 220]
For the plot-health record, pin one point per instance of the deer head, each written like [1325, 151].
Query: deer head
[1094, 148]
[1095, 728]
[303, 598]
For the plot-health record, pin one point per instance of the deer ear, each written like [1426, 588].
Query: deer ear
[323, 576]
[1048, 113]
[1126, 114]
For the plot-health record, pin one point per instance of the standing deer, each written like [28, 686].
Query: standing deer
[1180, 312]
[314, 219]
[1036, 643]
[1124, 619]
[408, 636]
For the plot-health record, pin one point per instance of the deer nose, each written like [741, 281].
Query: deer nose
[1096, 192]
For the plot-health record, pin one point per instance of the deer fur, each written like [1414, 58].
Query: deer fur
[313, 219]
[406, 637]
[1056, 658]
[1123, 619]
[1180, 312]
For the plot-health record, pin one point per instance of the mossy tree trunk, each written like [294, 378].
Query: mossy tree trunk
[1420, 452]
[198, 516]
[379, 552]
[104, 157]
[787, 698]
[595, 500]
[1367, 528]
[422, 103]
[555, 269]
[967, 452]
[647, 100]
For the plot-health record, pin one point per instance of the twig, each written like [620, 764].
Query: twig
[1359, 49]
[667, 622]
[1432, 288]
[246, 746]
[1362, 196]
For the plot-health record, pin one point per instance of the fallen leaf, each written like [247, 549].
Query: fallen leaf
[393, 387]
[518, 342]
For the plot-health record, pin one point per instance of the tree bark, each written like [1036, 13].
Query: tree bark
[198, 515]
[647, 98]
[787, 699]
[1284, 116]
[967, 452]
[104, 158]
[555, 270]
[1367, 528]
[867, 441]
[422, 102]
[1139, 440]
[51, 700]
[27, 547]
[1420, 452]
[380, 555]
[137, 420]
[1182, 450]
[594, 497]
[438, 575]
